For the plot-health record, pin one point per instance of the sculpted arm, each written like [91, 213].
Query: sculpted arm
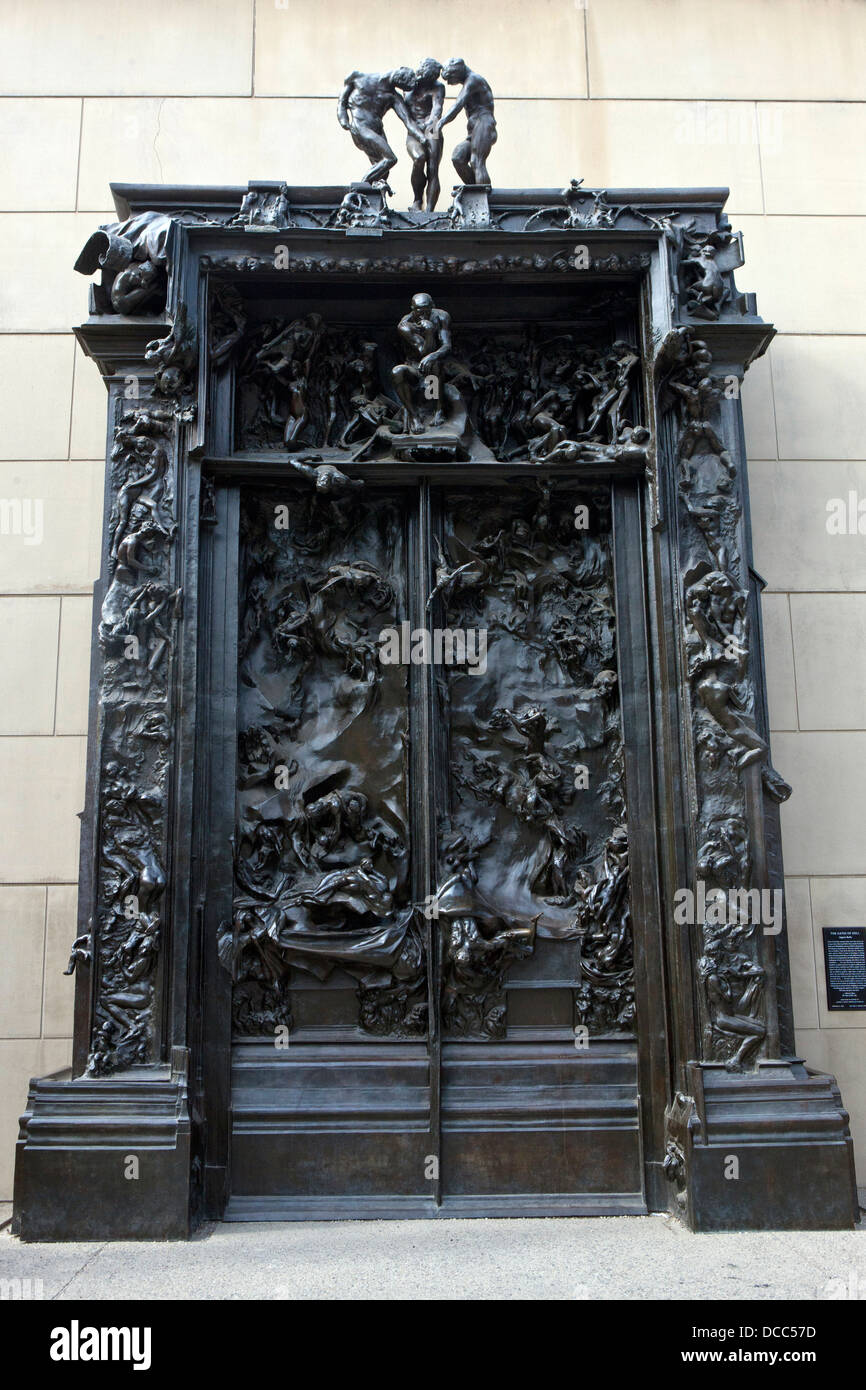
[436, 106]
[405, 115]
[406, 330]
[343, 105]
[444, 335]
[457, 107]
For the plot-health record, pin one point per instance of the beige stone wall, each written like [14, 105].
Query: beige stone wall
[765, 96]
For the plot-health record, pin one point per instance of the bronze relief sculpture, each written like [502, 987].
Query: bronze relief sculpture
[427, 678]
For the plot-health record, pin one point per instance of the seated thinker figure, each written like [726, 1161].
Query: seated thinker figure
[426, 331]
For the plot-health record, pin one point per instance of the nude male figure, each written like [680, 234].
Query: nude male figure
[426, 331]
[476, 98]
[425, 98]
[364, 102]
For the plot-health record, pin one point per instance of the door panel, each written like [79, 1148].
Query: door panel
[534, 826]
[524, 1121]
[327, 951]
[322, 857]
[536, 932]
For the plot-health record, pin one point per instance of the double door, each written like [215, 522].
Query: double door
[432, 938]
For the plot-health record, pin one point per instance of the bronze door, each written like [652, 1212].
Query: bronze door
[431, 942]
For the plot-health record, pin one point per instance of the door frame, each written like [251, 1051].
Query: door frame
[154, 1078]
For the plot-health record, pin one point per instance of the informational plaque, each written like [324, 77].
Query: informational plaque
[845, 966]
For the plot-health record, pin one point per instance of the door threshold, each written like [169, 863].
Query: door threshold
[411, 1208]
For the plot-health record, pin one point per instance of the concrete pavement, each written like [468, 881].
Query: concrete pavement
[596, 1258]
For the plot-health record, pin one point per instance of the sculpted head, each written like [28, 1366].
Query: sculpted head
[429, 70]
[133, 286]
[422, 304]
[404, 78]
[170, 381]
[455, 71]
